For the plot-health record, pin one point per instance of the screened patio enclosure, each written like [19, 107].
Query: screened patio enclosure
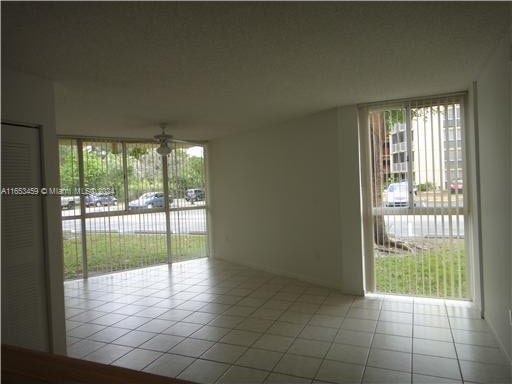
[115, 214]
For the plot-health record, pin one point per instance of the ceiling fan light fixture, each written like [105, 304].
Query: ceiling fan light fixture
[163, 149]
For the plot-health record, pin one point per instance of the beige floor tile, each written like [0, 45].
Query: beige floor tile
[203, 371]
[397, 329]
[362, 339]
[134, 338]
[279, 378]
[363, 313]
[488, 355]
[396, 317]
[348, 353]
[326, 321]
[238, 375]
[398, 361]
[210, 333]
[255, 325]
[240, 337]
[137, 359]
[432, 333]
[109, 334]
[374, 375]
[397, 306]
[296, 365]
[83, 347]
[182, 329]
[478, 325]
[484, 339]
[337, 372]
[284, 328]
[213, 314]
[108, 353]
[318, 333]
[169, 365]
[424, 379]
[224, 353]
[392, 342]
[191, 347]
[436, 366]
[434, 348]
[359, 325]
[431, 320]
[311, 348]
[274, 342]
[259, 358]
[161, 342]
[485, 373]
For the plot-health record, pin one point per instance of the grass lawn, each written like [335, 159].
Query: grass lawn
[115, 252]
[439, 272]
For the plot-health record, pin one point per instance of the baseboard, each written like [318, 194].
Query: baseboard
[500, 344]
[289, 274]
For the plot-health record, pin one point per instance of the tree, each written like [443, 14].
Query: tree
[103, 168]
[68, 159]
[185, 172]
[379, 130]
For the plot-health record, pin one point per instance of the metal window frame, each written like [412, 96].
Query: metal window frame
[368, 211]
[166, 209]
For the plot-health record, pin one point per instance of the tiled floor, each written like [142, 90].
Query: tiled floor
[214, 322]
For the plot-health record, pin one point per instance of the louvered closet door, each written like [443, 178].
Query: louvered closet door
[24, 310]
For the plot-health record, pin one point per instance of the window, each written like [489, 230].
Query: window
[115, 214]
[416, 235]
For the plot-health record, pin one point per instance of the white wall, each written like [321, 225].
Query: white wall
[494, 125]
[28, 99]
[350, 231]
[277, 203]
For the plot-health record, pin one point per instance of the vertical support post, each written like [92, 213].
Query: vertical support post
[208, 198]
[449, 171]
[410, 169]
[81, 181]
[366, 198]
[167, 208]
[125, 175]
[476, 212]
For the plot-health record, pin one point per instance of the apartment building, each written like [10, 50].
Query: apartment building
[436, 143]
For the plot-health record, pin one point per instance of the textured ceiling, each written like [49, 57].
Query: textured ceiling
[211, 69]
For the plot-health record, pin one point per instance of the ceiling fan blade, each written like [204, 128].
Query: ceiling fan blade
[186, 141]
[163, 137]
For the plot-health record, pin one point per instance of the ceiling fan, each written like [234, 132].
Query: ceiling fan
[165, 140]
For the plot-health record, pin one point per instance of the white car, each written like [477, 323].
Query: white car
[398, 194]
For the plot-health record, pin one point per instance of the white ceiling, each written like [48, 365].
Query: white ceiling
[211, 69]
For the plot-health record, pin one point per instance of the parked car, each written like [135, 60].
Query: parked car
[69, 202]
[195, 194]
[398, 194]
[100, 200]
[149, 200]
[456, 186]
